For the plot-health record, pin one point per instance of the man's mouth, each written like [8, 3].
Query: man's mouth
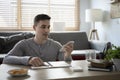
[46, 34]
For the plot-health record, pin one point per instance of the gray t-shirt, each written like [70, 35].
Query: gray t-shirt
[24, 49]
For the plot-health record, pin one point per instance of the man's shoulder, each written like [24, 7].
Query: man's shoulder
[25, 40]
[53, 42]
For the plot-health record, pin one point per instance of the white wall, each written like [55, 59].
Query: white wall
[84, 4]
[109, 29]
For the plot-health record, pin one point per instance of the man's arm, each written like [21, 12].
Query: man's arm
[15, 56]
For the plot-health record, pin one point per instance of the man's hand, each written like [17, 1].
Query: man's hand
[35, 61]
[68, 48]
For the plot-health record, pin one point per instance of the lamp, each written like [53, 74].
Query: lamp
[93, 15]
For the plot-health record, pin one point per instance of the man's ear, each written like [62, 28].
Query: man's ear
[34, 27]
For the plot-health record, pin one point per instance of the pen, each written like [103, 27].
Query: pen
[49, 64]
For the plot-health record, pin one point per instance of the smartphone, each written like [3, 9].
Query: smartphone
[68, 43]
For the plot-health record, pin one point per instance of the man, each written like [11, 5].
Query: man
[36, 50]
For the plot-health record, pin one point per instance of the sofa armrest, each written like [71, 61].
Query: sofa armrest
[99, 45]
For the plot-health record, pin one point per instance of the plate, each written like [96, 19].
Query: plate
[18, 72]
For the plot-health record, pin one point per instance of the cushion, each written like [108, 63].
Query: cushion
[80, 38]
[2, 40]
[28, 35]
[10, 41]
[16, 37]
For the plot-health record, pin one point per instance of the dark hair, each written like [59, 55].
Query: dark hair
[41, 17]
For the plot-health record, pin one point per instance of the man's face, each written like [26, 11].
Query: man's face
[42, 29]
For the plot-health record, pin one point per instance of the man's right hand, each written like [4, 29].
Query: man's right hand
[35, 61]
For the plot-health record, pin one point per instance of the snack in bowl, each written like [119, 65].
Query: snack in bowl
[18, 72]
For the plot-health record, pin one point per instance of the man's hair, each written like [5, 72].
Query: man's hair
[41, 17]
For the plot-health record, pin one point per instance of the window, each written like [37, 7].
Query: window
[8, 14]
[30, 8]
[63, 11]
[19, 14]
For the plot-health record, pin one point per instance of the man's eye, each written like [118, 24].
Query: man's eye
[43, 27]
[48, 27]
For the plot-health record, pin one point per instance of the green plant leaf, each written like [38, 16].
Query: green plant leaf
[114, 52]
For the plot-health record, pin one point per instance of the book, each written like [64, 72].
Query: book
[108, 69]
[100, 63]
[59, 64]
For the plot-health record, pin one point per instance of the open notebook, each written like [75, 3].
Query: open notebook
[59, 64]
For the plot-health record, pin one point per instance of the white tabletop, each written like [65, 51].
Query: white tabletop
[59, 73]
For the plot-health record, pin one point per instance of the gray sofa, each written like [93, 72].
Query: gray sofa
[9, 39]
[82, 44]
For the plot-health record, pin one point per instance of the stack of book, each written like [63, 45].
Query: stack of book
[100, 65]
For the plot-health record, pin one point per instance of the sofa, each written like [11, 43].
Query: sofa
[9, 39]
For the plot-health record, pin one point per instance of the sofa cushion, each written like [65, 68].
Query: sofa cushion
[9, 41]
[2, 40]
[0, 48]
[9, 33]
[28, 35]
[14, 38]
[80, 38]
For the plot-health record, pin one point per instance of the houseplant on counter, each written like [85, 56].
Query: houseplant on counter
[110, 55]
[113, 53]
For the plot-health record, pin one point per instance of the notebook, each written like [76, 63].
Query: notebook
[59, 64]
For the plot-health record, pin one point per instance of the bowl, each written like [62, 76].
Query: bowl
[18, 72]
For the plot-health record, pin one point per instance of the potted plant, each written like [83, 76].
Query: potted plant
[113, 53]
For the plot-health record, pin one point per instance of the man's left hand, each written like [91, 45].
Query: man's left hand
[68, 48]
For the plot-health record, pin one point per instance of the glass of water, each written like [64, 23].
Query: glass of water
[87, 55]
[93, 54]
[90, 54]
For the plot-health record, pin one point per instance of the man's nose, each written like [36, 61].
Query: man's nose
[47, 29]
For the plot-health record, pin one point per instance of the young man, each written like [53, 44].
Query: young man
[36, 50]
